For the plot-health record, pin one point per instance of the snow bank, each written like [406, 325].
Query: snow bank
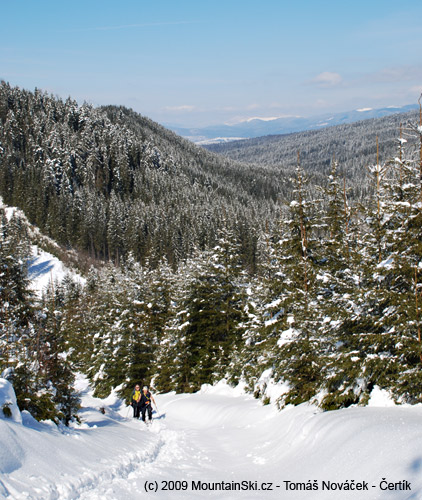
[269, 388]
[42, 461]
[8, 402]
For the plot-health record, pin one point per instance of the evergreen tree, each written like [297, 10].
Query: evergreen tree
[299, 363]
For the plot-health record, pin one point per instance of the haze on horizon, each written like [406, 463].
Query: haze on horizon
[201, 63]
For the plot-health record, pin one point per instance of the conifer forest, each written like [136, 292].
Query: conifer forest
[201, 267]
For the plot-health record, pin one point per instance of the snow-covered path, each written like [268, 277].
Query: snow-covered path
[215, 435]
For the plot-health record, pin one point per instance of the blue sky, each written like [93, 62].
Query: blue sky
[204, 62]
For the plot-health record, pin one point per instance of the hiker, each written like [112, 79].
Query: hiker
[136, 401]
[145, 403]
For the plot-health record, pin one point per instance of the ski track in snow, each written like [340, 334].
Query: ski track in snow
[217, 434]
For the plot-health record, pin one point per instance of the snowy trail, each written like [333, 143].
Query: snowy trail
[191, 448]
[215, 435]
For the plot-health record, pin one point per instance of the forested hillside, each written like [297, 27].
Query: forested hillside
[352, 145]
[110, 182]
[316, 299]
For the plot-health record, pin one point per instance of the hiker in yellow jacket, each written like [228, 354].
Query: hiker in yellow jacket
[136, 401]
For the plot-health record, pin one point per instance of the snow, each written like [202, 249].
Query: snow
[272, 304]
[264, 118]
[44, 269]
[270, 322]
[272, 390]
[362, 110]
[218, 434]
[388, 263]
[380, 398]
[215, 140]
[8, 399]
[286, 336]
[325, 277]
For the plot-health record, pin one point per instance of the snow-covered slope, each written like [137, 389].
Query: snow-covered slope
[216, 435]
[43, 267]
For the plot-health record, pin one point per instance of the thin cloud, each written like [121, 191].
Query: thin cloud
[184, 107]
[327, 79]
[417, 89]
[253, 106]
[395, 74]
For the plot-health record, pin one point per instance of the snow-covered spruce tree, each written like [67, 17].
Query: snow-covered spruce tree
[211, 314]
[256, 354]
[116, 228]
[401, 271]
[18, 361]
[29, 343]
[151, 305]
[337, 279]
[264, 313]
[360, 357]
[228, 264]
[171, 368]
[106, 326]
[56, 375]
[16, 309]
[380, 341]
[296, 356]
[127, 310]
[78, 320]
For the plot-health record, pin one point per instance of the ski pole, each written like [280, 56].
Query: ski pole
[128, 410]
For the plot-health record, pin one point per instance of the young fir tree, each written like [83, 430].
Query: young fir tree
[149, 314]
[380, 343]
[297, 353]
[171, 367]
[56, 377]
[16, 308]
[352, 367]
[337, 279]
[102, 326]
[402, 271]
[210, 317]
[30, 352]
[265, 314]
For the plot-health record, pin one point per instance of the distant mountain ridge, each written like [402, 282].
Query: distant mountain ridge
[257, 127]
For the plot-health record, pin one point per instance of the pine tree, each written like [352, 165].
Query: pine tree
[15, 298]
[299, 347]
